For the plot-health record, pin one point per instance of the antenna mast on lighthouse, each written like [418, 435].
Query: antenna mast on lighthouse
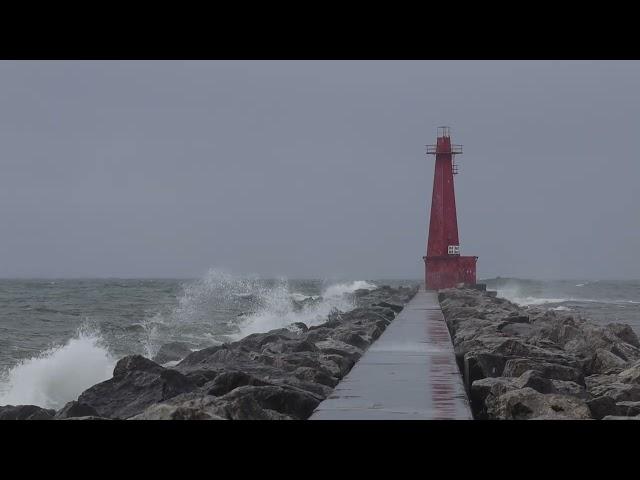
[444, 266]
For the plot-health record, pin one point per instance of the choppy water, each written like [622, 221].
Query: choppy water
[597, 300]
[59, 337]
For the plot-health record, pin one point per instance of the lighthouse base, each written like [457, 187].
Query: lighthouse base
[449, 271]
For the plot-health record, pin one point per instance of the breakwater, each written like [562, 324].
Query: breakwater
[529, 363]
[409, 373]
[281, 374]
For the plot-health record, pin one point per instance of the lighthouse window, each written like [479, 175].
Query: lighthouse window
[453, 250]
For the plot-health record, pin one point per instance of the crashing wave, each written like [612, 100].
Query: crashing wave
[59, 374]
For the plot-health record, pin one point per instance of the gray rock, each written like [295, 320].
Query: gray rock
[352, 339]
[600, 407]
[336, 365]
[289, 346]
[192, 410]
[626, 351]
[76, 409]
[229, 380]
[248, 408]
[533, 379]
[137, 383]
[516, 367]
[599, 337]
[625, 333]
[336, 347]
[606, 362]
[628, 408]
[631, 374]
[201, 377]
[517, 318]
[495, 386]
[526, 403]
[598, 380]
[171, 352]
[257, 341]
[503, 348]
[89, 417]
[132, 363]
[478, 365]
[316, 389]
[393, 306]
[315, 376]
[620, 392]
[514, 348]
[566, 387]
[287, 401]
[281, 374]
[465, 332]
[206, 359]
[517, 329]
[26, 412]
[485, 392]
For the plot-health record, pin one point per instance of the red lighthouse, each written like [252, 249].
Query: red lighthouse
[444, 266]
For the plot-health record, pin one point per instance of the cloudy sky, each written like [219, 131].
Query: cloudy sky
[315, 168]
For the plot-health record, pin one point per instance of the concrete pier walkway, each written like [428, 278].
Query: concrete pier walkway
[409, 373]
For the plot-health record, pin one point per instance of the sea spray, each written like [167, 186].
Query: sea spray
[219, 307]
[138, 316]
[279, 311]
[150, 337]
[59, 374]
[339, 290]
[206, 311]
[253, 305]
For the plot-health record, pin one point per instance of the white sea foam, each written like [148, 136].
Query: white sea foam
[515, 296]
[299, 297]
[270, 305]
[171, 363]
[561, 308]
[278, 310]
[215, 290]
[59, 374]
[340, 289]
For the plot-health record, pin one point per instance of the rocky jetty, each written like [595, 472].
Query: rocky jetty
[278, 375]
[25, 412]
[528, 363]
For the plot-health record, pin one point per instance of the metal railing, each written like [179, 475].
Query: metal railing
[444, 131]
[433, 149]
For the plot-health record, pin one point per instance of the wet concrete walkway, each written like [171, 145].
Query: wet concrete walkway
[409, 373]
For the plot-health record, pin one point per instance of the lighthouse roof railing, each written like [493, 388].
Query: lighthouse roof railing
[433, 149]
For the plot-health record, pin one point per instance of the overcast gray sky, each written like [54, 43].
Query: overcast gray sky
[315, 168]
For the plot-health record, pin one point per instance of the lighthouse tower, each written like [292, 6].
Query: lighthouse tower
[444, 266]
